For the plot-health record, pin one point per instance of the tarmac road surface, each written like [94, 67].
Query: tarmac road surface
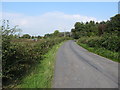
[78, 68]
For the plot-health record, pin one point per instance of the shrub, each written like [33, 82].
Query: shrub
[19, 57]
[110, 42]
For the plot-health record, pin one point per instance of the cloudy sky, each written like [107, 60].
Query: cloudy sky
[39, 18]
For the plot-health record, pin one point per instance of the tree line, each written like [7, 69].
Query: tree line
[93, 28]
[104, 35]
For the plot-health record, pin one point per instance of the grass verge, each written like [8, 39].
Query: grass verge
[114, 56]
[42, 75]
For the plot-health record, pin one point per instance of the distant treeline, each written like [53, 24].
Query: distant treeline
[56, 33]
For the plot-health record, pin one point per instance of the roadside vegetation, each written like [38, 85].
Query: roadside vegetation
[102, 38]
[102, 52]
[41, 75]
[21, 54]
[28, 61]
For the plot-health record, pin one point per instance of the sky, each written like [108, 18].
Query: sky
[39, 18]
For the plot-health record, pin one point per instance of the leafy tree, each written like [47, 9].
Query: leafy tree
[74, 34]
[56, 33]
[26, 36]
[113, 26]
[32, 37]
[47, 35]
[84, 29]
[39, 37]
[77, 25]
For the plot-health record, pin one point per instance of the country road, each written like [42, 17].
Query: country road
[78, 68]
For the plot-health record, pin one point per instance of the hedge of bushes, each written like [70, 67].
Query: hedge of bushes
[19, 57]
[110, 42]
[107, 46]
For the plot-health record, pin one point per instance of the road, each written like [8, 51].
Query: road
[78, 68]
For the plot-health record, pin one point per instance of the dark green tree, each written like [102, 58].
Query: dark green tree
[56, 33]
[26, 36]
[113, 26]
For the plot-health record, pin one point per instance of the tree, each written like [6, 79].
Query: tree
[26, 36]
[92, 22]
[74, 34]
[84, 29]
[32, 37]
[47, 35]
[56, 33]
[77, 25]
[39, 37]
[113, 26]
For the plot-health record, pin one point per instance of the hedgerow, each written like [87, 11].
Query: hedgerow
[19, 57]
[110, 42]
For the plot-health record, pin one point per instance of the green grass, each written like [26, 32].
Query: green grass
[102, 52]
[42, 75]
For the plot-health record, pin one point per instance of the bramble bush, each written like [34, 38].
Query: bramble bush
[110, 42]
[108, 45]
[18, 58]
[20, 55]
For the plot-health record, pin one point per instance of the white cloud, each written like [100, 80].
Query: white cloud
[45, 23]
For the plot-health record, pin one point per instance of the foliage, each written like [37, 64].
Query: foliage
[91, 28]
[41, 76]
[109, 42]
[26, 36]
[113, 26]
[101, 28]
[18, 58]
[84, 29]
[99, 35]
[103, 52]
[19, 55]
[57, 34]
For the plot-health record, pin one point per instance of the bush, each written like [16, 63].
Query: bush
[19, 57]
[110, 42]
[103, 52]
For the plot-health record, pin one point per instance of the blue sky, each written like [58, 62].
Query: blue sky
[100, 10]
[28, 11]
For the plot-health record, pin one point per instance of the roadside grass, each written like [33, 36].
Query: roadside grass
[42, 74]
[114, 56]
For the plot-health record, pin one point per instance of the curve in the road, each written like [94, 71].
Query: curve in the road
[78, 68]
